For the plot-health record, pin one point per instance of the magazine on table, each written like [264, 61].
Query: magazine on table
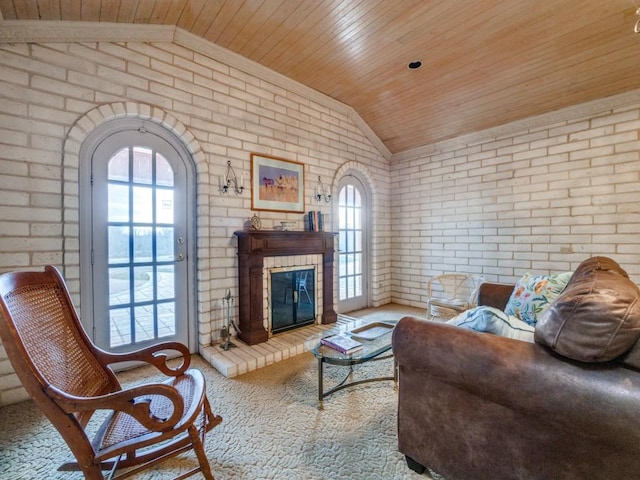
[342, 343]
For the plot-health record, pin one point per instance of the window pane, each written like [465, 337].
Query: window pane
[166, 282]
[119, 286]
[357, 198]
[349, 201]
[119, 166]
[350, 234]
[119, 327]
[118, 203]
[142, 244]
[166, 319]
[342, 265]
[350, 287]
[142, 171]
[164, 172]
[342, 290]
[350, 222]
[357, 263]
[164, 244]
[142, 205]
[358, 282]
[358, 241]
[164, 206]
[143, 278]
[118, 244]
[144, 323]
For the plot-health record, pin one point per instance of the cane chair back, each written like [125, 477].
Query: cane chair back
[69, 378]
[450, 294]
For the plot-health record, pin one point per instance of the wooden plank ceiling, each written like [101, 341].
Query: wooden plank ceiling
[485, 62]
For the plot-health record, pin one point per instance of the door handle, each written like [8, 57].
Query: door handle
[180, 257]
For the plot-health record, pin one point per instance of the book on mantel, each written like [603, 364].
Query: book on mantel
[316, 221]
[342, 343]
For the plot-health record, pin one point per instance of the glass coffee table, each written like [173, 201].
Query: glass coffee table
[375, 337]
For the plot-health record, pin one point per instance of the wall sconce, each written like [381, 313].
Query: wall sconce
[231, 180]
[322, 192]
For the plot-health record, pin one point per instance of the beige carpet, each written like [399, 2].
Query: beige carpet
[272, 429]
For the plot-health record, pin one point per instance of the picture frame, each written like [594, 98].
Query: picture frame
[277, 185]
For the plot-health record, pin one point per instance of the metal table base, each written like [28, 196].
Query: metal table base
[343, 383]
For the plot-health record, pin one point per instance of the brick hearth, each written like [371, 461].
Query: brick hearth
[245, 358]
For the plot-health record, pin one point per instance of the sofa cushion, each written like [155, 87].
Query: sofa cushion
[492, 320]
[597, 316]
[533, 294]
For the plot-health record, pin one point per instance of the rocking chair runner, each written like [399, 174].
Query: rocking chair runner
[69, 379]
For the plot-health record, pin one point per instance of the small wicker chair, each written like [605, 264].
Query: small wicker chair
[69, 379]
[450, 294]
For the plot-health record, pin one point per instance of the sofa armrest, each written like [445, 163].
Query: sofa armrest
[494, 294]
[522, 376]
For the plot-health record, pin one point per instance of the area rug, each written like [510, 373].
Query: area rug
[272, 429]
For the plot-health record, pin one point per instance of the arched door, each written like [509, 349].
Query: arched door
[353, 245]
[141, 246]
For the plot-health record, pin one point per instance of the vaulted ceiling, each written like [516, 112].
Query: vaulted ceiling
[484, 62]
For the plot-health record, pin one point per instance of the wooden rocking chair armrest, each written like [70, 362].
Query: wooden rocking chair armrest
[155, 355]
[135, 401]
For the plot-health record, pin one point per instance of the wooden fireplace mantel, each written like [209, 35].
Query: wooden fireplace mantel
[253, 246]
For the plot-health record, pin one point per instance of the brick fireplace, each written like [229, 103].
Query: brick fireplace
[256, 245]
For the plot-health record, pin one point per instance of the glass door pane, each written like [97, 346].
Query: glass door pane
[141, 273]
[352, 293]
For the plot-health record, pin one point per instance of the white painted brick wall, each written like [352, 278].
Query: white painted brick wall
[51, 91]
[540, 201]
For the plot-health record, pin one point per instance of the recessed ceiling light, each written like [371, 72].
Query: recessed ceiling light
[414, 65]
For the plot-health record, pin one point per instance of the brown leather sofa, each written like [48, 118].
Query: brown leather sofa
[475, 406]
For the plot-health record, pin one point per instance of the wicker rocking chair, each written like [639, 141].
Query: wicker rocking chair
[69, 379]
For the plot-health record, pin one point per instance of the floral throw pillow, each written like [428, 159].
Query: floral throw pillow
[533, 294]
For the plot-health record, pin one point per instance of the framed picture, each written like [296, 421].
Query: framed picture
[276, 184]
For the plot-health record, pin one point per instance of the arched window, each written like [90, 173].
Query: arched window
[353, 245]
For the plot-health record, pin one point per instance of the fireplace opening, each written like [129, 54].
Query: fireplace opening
[292, 297]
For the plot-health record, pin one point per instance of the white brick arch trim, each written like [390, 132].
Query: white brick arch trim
[359, 170]
[73, 142]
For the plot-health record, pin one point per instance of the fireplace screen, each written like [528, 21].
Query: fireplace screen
[293, 301]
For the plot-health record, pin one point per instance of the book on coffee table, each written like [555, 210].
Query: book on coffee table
[342, 343]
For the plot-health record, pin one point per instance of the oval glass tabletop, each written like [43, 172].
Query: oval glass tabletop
[375, 337]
